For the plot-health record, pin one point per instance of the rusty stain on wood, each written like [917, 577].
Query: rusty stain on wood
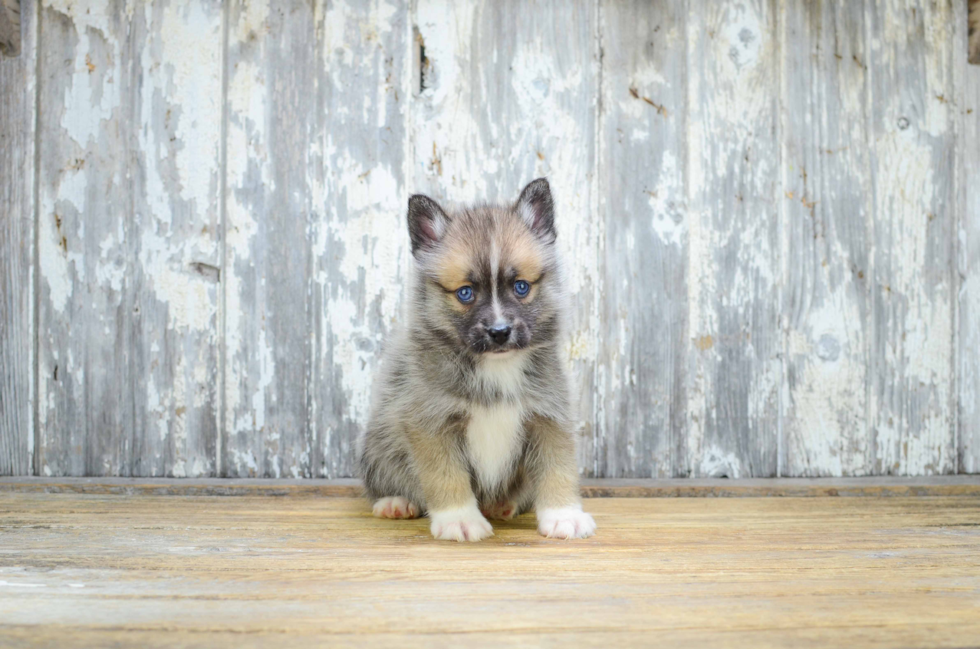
[704, 343]
[636, 95]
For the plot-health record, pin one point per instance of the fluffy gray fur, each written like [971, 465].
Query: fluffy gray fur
[437, 368]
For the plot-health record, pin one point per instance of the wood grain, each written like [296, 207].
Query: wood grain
[912, 127]
[271, 111]
[643, 221]
[968, 261]
[508, 95]
[17, 124]
[734, 243]
[826, 310]
[316, 245]
[242, 572]
[128, 238]
[365, 81]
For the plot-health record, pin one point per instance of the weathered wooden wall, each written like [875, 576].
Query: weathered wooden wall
[770, 211]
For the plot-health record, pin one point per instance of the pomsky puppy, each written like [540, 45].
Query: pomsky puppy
[471, 414]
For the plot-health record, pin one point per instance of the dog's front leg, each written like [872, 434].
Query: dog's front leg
[444, 473]
[554, 473]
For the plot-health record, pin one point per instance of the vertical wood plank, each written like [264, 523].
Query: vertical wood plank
[644, 346]
[968, 181]
[316, 165]
[128, 237]
[827, 206]
[733, 256]
[365, 81]
[271, 77]
[508, 95]
[17, 122]
[913, 221]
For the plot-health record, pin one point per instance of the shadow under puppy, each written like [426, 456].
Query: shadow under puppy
[470, 417]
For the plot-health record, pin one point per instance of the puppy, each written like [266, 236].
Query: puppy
[470, 417]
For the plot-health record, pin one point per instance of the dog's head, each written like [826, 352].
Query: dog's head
[489, 276]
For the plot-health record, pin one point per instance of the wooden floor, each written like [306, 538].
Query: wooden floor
[86, 570]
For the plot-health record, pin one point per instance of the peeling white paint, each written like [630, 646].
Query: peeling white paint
[54, 264]
[147, 230]
[198, 96]
[94, 93]
[244, 400]
[266, 368]
[475, 133]
[827, 411]
[910, 405]
[717, 463]
[731, 171]
[668, 188]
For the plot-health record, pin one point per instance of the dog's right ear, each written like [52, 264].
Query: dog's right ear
[537, 208]
[426, 222]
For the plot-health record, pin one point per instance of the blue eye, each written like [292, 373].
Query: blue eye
[465, 294]
[522, 288]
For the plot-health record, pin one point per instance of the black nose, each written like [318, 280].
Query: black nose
[499, 334]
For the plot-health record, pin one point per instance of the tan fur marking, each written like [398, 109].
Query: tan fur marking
[556, 473]
[442, 469]
[454, 271]
[522, 252]
[519, 250]
[454, 268]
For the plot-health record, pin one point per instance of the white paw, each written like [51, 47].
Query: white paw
[461, 524]
[565, 523]
[395, 507]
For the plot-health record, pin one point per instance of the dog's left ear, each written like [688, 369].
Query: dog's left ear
[427, 223]
[537, 209]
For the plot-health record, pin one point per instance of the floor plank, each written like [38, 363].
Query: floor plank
[152, 571]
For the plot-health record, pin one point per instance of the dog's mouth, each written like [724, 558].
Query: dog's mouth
[506, 350]
[498, 352]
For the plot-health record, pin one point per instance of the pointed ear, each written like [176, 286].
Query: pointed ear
[426, 222]
[537, 209]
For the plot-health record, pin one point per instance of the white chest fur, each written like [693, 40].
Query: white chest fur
[494, 433]
[492, 440]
